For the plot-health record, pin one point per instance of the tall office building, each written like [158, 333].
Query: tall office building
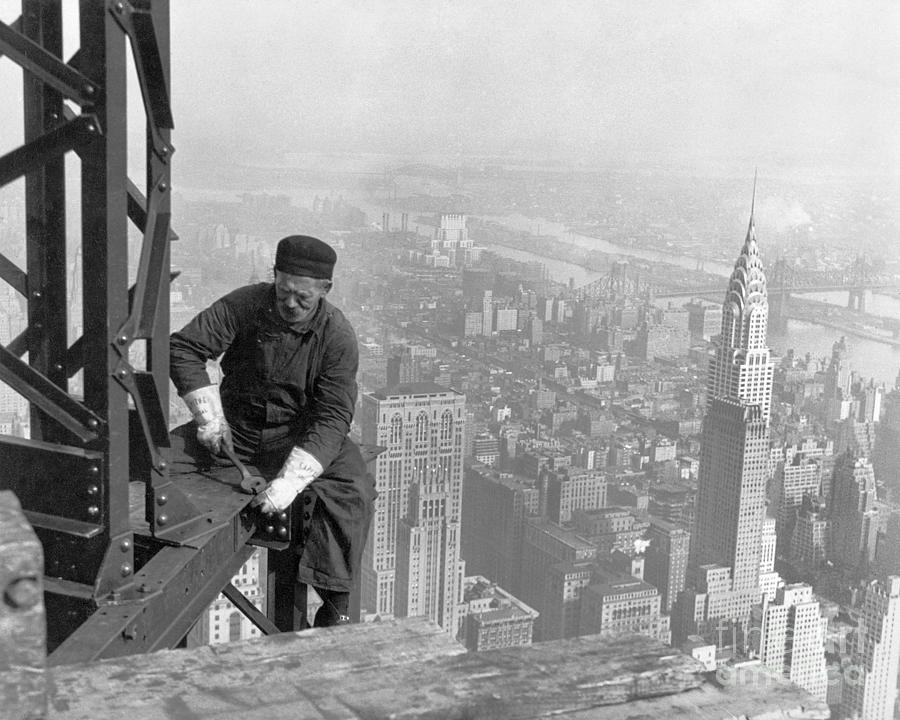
[870, 692]
[487, 320]
[724, 566]
[795, 477]
[495, 508]
[854, 517]
[411, 564]
[557, 564]
[790, 638]
[667, 557]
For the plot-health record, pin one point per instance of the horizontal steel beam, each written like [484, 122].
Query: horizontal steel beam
[172, 589]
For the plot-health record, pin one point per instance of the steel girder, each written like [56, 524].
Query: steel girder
[105, 569]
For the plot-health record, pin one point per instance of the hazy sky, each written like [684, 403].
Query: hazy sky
[780, 83]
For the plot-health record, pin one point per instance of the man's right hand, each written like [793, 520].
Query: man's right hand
[205, 405]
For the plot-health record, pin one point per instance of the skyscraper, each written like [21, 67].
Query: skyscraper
[411, 564]
[724, 565]
[667, 557]
[790, 638]
[870, 692]
[854, 517]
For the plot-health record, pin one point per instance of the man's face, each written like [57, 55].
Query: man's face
[297, 296]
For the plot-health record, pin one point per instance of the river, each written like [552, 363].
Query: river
[869, 358]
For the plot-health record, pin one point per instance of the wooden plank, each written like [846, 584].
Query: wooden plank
[23, 635]
[751, 701]
[391, 669]
[290, 672]
[410, 669]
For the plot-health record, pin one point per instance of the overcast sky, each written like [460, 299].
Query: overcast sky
[780, 83]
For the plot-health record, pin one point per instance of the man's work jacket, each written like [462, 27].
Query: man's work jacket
[287, 386]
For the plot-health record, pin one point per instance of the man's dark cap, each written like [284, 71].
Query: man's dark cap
[306, 256]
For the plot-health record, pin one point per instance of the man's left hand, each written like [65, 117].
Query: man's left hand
[298, 471]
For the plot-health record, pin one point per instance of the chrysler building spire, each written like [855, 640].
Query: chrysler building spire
[742, 368]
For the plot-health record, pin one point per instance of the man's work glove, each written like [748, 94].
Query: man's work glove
[205, 405]
[298, 471]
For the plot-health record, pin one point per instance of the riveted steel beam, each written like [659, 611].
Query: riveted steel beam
[14, 275]
[73, 135]
[46, 66]
[31, 384]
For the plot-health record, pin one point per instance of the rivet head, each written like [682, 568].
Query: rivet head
[282, 531]
[163, 465]
[88, 89]
[58, 367]
[93, 490]
[163, 187]
[282, 516]
[162, 499]
[93, 469]
[122, 372]
[269, 529]
[92, 423]
[91, 127]
[120, 7]
[22, 593]
[93, 511]
[36, 294]
[162, 519]
[125, 545]
[125, 569]
[122, 339]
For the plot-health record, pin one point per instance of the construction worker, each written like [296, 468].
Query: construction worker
[286, 399]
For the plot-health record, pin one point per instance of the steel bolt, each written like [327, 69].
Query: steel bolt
[22, 593]
[162, 519]
[125, 545]
[93, 511]
[93, 490]
[125, 569]
[162, 499]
